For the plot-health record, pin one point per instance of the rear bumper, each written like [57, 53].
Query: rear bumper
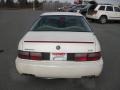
[92, 16]
[59, 69]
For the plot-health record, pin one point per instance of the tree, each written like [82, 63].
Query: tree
[9, 3]
[36, 3]
[41, 5]
[22, 3]
[2, 3]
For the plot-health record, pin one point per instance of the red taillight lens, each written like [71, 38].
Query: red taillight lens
[88, 56]
[81, 57]
[94, 56]
[35, 56]
[29, 55]
[23, 54]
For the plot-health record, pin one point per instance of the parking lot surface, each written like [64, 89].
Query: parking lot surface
[14, 24]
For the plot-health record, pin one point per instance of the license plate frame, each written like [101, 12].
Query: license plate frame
[58, 56]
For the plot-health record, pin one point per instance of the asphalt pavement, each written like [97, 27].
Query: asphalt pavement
[15, 23]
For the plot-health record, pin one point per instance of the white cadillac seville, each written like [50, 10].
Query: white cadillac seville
[60, 45]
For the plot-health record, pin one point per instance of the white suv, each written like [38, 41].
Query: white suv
[103, 12]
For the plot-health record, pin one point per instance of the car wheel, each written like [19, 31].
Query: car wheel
[103, 19]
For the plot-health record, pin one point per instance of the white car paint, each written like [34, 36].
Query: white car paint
[62, 36]
[59, 69]
[70, 42]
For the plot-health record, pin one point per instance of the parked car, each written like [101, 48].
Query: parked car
[103, 12]
[60, 45]
[65, 8]
[71, 8]
[60, 9]
[82, 9]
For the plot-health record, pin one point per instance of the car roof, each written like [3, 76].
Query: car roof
[108, 5]
[105, 4]
[61, 13]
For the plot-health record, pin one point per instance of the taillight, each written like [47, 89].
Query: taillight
[94, 56]
[35, 56]
[23, 54]
[29, 55]
[88, 56]
[80, 57]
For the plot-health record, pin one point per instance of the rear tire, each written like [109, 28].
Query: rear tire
[103, 19]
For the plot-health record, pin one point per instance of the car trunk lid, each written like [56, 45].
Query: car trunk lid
[67, 42]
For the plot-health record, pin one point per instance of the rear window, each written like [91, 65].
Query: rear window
[62, 23]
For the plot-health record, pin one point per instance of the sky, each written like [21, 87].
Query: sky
[100, 1]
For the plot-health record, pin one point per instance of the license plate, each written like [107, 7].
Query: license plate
[58, 56]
